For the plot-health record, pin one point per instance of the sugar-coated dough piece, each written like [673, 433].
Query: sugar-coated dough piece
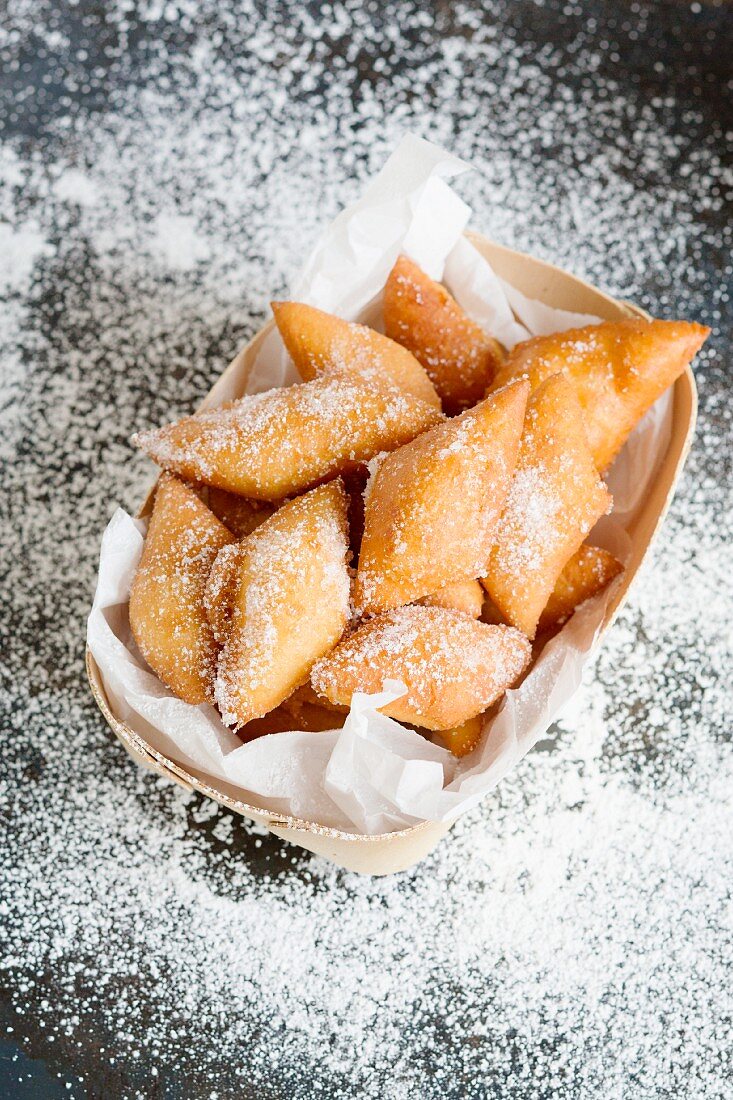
[291, 604]
[242, 517]
[589, 570]
[432, 506]
[239, 514]
[321, 344]
[303, 710]
[490, 613]
[312, 719]
[355, 485]
[306, 696]
[452, 666]
[271, 445]
[464, 738]
[465, 596]
[618, 368]
[460, 358]
[554, 500]
[309, 711]
[221, 589]
[167, 614]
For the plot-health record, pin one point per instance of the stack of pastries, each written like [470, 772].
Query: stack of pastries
[416, 509]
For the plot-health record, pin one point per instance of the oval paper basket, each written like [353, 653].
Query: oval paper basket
[390, 852]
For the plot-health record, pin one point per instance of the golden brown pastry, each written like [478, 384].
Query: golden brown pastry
[239, 514]
[432, 505]
[167, 615]
[321, 344]
[308, 711]
[588, 571]
[291, 604]
[618, 368]
[452, 666]
[305, 695]
[309, 718]
[460, 358]
[490, 613]
[465, 596]
[464, 738]
[271, 445]
[355, 485]
[220, 590]
[554, 500]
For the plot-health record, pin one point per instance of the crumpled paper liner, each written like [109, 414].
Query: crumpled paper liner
[374, 775]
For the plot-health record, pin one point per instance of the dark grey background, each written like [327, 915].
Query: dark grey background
[600, 133]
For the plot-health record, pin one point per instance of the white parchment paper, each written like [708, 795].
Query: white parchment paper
[374, 775]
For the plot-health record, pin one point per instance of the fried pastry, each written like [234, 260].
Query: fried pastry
[355, 485]
[167, 614]
[465, 596]
[221, 589]
[290, 607]
[618, 368]
[432, 505]
[239, 514]
[272, 445]
[311, 719]
[587, 573]
[321, 344]
[464, 738]
[452, 666]
[307, 696]
[459, 357]
[308, 711]
[490, 613]
[554, 500]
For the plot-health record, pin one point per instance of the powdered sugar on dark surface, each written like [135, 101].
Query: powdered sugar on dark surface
[164, 169]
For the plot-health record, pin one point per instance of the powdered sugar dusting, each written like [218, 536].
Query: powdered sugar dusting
[538, 507]
[268, 445]
[572, 937]
[166, 601]
[452, 666]
[555, 498]
[289, 599]
[221, 589]
[433, 506]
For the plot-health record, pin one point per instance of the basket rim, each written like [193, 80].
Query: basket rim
[150, 758]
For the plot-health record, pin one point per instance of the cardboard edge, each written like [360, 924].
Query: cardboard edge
[155, 761]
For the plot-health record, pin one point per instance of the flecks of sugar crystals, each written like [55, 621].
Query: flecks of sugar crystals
[572, 936]
[287, 436]
[431, 650]
[291, 591]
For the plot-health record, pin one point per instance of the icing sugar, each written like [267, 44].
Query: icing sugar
[571, 937]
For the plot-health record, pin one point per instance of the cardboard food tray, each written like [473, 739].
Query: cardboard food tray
[390, 852]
